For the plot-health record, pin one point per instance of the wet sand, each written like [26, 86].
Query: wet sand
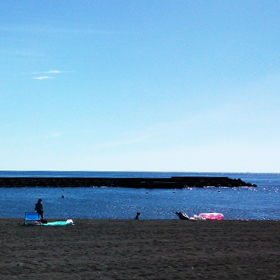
[144, 249]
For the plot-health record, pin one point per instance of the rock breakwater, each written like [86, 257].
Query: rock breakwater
[148, 183]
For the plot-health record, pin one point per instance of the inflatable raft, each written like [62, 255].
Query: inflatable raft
[211, 216]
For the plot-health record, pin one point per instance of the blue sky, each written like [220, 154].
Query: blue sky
[150, 85]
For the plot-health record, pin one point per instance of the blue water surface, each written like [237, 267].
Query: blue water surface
[260, 203]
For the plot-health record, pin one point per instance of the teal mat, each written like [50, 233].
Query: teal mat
[58, 223]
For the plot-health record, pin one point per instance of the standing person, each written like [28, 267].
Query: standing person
[137, 216]
[39, 208]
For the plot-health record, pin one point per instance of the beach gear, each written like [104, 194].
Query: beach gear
[212, 216]
[182, 216]
[31, 218]
[57, 223]
[196, 218]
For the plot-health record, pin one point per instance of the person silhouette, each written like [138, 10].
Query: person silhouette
[39, 208]
[137, 216]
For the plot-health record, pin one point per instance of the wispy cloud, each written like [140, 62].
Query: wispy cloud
[42, 78]
[50, 74]
[54, 72]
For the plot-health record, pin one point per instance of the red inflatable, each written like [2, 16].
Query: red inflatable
[212, 216]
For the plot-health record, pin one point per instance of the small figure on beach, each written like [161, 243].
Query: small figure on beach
[39, 208]
[137, 216]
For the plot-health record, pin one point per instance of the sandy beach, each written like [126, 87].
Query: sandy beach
[144, 249]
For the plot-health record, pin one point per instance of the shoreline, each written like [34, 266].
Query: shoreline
[141, 249]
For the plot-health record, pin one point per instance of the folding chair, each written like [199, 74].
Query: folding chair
[31, 218]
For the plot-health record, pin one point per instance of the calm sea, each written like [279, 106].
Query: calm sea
[260, 203]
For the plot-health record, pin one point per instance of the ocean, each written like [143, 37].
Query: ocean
[258, 203]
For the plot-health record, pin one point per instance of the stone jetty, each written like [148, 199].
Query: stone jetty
[148, 183]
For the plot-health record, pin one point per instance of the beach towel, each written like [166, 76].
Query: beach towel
[58, 223]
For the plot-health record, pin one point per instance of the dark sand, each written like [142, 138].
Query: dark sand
[150, 249]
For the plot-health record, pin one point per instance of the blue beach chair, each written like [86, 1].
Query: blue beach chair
[31, 218]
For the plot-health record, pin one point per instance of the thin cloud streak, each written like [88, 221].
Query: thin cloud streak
[43, 78]
[54, 72]
[48, 72]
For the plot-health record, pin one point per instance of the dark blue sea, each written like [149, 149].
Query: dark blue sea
[258, 203]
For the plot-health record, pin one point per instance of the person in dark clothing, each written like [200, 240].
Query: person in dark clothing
[137, 216]
[39, 208]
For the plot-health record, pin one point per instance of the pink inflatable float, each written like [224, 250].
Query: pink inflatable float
[212, 216]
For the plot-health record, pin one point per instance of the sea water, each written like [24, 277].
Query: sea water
[260, 203]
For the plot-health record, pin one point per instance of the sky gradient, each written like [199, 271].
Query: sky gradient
[150, 85]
